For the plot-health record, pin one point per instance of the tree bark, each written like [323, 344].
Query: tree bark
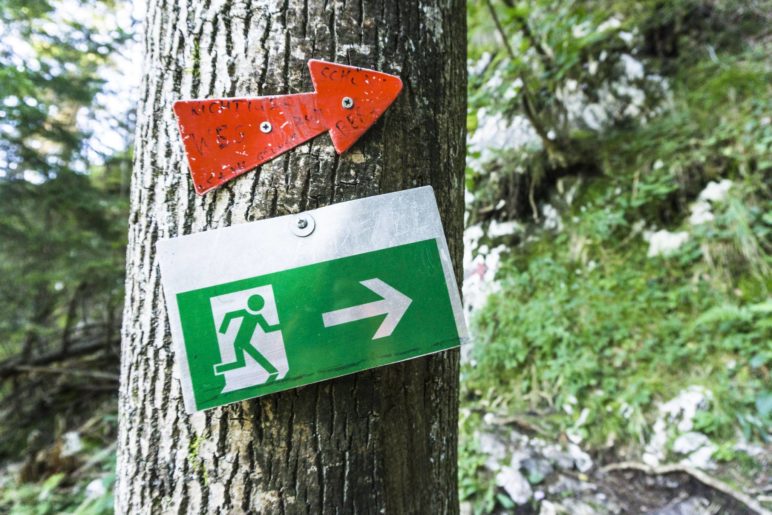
[381, 440]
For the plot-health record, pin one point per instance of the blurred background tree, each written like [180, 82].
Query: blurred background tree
[64, 167]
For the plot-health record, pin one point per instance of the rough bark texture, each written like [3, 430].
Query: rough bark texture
[382, 440]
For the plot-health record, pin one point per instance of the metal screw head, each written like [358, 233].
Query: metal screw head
[302, 225]
[347, 102]
[266, 127]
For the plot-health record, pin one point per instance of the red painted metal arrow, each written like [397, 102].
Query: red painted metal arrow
[226, 137]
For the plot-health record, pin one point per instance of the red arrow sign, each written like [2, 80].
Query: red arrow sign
[228, 136]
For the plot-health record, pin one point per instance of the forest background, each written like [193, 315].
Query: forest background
[617, 250]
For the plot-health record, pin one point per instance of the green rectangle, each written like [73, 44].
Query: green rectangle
[314, 352]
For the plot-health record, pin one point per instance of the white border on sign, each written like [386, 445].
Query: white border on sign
[258, 248]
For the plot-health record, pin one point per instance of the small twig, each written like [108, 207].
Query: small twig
[532, 200]
[9, 366]
[527, 97]
[760, 490]
[544, 51]
[500, 29]
[636, 178]
[521, 423]
[95, 460]
[68, 371]
[700, 476]
[83, 387]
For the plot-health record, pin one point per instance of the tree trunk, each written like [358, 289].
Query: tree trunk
[381, 440]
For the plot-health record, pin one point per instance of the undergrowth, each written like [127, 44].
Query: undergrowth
[588, 334]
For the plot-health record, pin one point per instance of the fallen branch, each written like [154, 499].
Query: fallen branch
[760, 490]
[520, 423]
[10, 368]
[700, 476]
[95, 374]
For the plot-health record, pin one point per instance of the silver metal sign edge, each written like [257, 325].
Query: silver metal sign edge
[353, 227]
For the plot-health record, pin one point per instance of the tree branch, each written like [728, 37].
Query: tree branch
[12, 367]
[700, 476]
[527, 97]
[67, 371]
[500, 29]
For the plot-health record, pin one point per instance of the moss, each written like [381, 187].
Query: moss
[197, 463]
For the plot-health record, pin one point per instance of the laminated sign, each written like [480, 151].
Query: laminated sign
[271, 305]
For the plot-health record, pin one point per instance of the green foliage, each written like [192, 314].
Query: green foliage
[62, 246]
[49, 71]
[63, 210]
[55, 496]
[475, 482]
[62, 204]
[78, 483]
[617, 337]
[584, 321]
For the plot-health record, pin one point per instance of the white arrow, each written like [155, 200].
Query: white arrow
[393, 305]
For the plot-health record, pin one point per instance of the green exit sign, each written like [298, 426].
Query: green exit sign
[280, 303]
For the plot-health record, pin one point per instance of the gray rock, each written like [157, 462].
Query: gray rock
[512, 481]
[72, 444]
[550, 508]
[688, 506]
[689, 442]
[559, 457]
[698, 447]
[609, 505]
[680, 412]
[536, 469]
[494, 448]
[683, 408]
[752, 450]
[581, 459]
[567, 486]
[702, 458]
[578, 507]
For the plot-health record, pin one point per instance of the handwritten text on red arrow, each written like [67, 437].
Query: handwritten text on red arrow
[226, 137]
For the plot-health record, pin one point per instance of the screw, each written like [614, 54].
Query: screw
[347, 102]
[265, 127]
[303, 225]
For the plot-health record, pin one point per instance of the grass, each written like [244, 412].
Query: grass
[585, 325]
